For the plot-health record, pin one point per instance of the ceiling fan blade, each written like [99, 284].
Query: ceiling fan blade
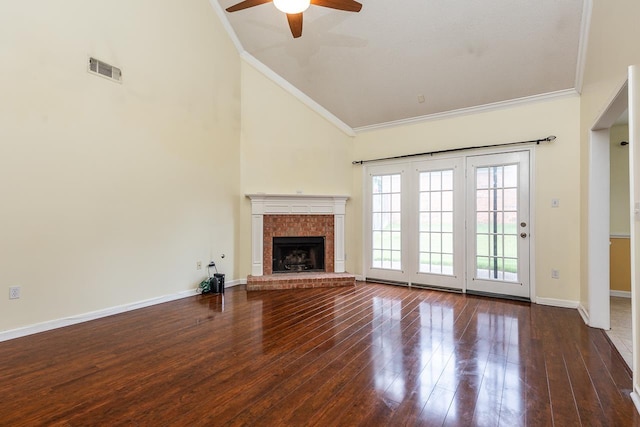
[348, 5]
[246, 4]
[295, 23]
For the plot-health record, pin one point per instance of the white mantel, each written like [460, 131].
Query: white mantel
[295, 204]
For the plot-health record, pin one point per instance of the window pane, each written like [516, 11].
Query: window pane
[376, 222]
[511, 265]
[386, 184]
[495, 222]
[376, 184]
[511, 199]
[495, 177]
[376, 203]
[377, 240]
[447, 201]
[425, 181]
[482, 178]
[436, 221]
[482, 244]
[482, 200]
[436, 184]
[436, 243]
[495, 200]
[395, 202]
[425, 222]
[436, 201]
[511, 246]
[447, 243]
[395, 241]
[395, 183]
[447, 180]
[511, 176]
[424, 202]
[395, 221]
[447, 222]
[425, 239]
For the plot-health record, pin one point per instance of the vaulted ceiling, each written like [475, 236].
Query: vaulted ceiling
[400, 60]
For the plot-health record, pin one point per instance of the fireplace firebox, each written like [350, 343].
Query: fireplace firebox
[298, 254]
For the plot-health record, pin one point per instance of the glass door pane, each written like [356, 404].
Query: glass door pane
[386, 222]
[496, 224]
[435, 227]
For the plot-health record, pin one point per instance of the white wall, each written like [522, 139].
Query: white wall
[111, 193]
[557, 174]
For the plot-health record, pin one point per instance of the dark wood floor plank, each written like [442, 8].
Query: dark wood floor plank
[371, 355]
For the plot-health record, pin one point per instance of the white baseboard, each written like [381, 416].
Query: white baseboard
[557, 302]
[621, 294]
[635, 397]
[584, 313]
[92, 315]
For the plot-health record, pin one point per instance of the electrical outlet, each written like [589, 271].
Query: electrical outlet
[555, 274]
[14, 292]
[555, 203]
[199, 265]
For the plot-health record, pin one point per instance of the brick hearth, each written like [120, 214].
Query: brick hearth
[299, 281]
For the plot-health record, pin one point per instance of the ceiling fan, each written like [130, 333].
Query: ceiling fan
[294, 9]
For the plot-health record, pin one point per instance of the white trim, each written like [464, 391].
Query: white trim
[297, 93]
[620, 294]
[585, 23]
[635, 397]
[620, 236]
[105, 312]
[557, 302]
[296, 204]
[472, 110]
[276, 78]
[227, 26]
[583, 313]
[598, 240]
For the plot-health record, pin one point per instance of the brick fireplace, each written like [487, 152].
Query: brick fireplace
[297, 216]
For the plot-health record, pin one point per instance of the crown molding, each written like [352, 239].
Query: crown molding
[585, 25]
[275, 77]
[297, 93]
[472, 110]
[227, 25]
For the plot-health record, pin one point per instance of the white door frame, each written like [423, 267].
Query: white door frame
[530, 148]
[598, 311]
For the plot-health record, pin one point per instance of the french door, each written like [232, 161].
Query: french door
[437, 239]
[498, 224]
[458, 223]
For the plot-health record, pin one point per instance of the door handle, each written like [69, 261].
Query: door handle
[523, 235]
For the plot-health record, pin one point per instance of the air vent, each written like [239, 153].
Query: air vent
[105, 70]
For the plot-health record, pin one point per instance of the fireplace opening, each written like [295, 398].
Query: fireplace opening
[298, 254]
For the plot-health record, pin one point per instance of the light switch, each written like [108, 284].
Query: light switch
[555, 203]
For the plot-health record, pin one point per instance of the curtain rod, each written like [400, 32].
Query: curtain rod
[450, 150]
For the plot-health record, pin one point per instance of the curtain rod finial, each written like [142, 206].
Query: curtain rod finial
[551, 138]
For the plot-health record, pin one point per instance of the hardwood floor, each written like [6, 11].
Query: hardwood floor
[369, 355]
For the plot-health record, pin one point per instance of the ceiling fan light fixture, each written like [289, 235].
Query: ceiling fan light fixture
[292, 6]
